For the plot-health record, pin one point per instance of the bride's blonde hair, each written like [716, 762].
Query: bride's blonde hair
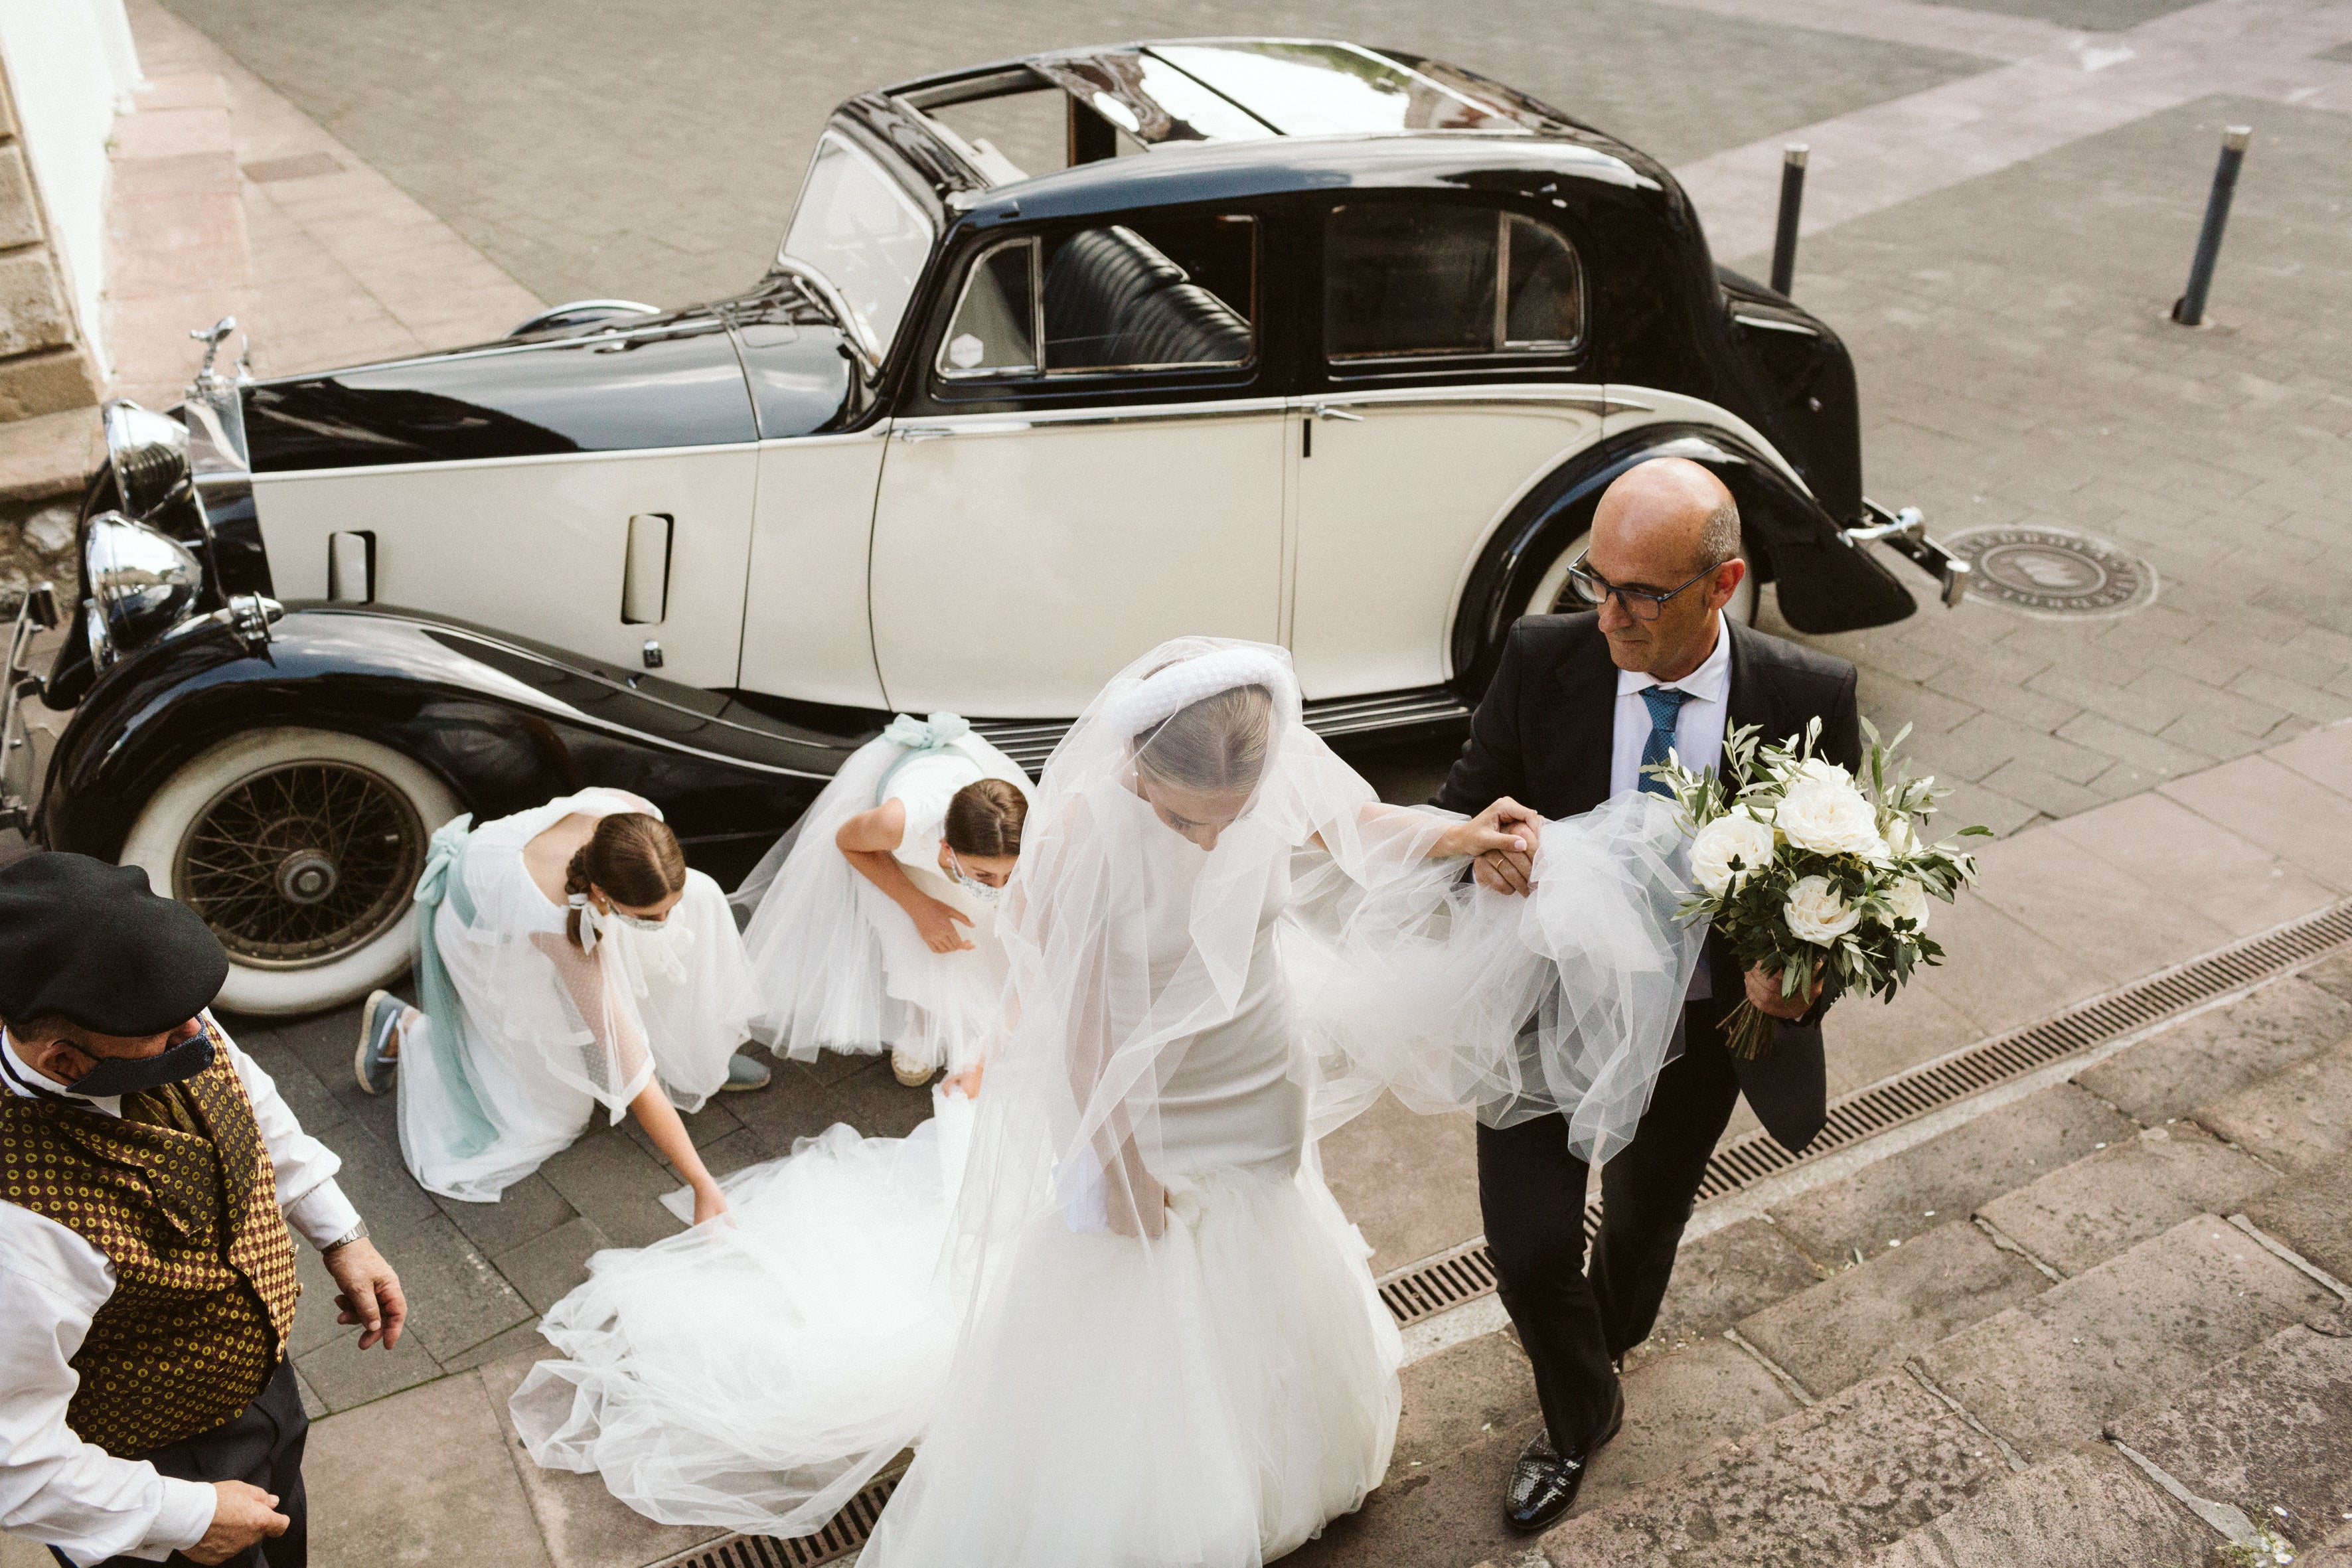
[1215, 745]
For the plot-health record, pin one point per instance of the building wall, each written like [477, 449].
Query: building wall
[67, 69]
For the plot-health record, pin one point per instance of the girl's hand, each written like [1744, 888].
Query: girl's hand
[1504, 839]
[709, 1203]
[967, 1082]
[935, 922]
[1136, 1204]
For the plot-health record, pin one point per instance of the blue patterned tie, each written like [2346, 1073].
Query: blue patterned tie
[1665, 705]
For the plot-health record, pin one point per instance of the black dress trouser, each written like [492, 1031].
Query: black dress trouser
[1572, 1320]
[264, 1446]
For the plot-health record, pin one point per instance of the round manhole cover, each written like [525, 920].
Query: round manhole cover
[2049, 571]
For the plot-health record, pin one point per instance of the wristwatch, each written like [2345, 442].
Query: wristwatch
[357, 1233]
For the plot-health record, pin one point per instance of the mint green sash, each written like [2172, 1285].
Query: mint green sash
[436, 995]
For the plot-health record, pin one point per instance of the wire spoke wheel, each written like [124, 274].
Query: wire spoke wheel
[302, 863]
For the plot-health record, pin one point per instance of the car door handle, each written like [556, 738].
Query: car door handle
[1325, 411]
[922, 432]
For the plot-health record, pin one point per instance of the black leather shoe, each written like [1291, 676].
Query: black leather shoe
[1544, 1483]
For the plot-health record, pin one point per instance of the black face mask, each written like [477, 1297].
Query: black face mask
[136, 1075]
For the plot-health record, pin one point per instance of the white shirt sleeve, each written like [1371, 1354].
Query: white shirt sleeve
[54, 1487]
[305, 1167]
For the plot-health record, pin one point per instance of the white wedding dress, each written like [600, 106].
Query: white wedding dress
[1079, 1395]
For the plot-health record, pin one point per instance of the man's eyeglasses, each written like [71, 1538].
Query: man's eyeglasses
[1641, 604]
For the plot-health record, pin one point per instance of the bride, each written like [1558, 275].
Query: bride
[1152, 1337]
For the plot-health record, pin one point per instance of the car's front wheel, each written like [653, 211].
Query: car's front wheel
[1553, 596]
[301, 849]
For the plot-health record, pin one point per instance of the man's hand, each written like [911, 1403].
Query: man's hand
[1504, 838]
[370, 1296]
[243, 1516]
[1764, 991]
[935, 923]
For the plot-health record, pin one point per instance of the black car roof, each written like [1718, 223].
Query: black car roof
[1283, 114]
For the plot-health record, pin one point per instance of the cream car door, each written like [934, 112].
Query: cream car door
[1024, 554]
[1400, 487]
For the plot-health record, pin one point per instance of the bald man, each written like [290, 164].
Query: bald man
[1579, 704]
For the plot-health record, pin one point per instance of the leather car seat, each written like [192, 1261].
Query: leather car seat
[1113, 299]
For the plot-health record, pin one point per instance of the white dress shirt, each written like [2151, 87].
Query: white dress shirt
[1698, 738]
[54, 1487]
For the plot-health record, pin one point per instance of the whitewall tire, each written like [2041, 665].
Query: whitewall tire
[1552, 587]
[301, 849]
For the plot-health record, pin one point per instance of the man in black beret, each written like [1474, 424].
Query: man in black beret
[149, 1171]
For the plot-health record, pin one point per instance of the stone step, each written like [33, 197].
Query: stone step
[2211, 1055]
[2297, 1120]
[2087, 1507]
[2053, 1371]
[2312, 1213]
[1827, 1485]
[2268, 1431]
[2080, 1215]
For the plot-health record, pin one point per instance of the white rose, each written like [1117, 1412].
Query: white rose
[1829, 816]
[1902, 838]
[1816, 913]
[1736, 835]
[1908, 901]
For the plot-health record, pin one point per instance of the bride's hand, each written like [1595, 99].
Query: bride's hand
[935, 922]
[1137, 1205]
[709, 1203]
[1504, 839]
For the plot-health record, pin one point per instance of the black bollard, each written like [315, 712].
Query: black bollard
[1792, 199]
[2189, 309]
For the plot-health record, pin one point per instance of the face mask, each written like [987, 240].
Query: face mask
[135, 1075]
[971, 884]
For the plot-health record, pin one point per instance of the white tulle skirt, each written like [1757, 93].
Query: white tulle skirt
[1213, 1400]
[754, 1372]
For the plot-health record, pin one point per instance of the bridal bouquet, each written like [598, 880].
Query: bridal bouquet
[1805, 873]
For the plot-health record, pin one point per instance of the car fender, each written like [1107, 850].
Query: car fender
[505, 723]
[1825, 582]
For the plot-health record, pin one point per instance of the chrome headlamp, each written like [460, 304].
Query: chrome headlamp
[139, 582]
[148, 453]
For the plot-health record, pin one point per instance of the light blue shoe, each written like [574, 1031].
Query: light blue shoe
[745, 1074]
[379, 1026]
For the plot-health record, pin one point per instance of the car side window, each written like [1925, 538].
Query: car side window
[994, 331]
[1407, 280]
[1170, 294]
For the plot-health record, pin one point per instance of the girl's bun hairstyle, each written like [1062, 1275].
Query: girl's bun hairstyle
[632, 857]
[984, 819]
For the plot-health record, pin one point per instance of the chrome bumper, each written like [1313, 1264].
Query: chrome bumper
[1905, 532]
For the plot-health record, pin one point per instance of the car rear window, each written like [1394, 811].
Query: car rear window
[1407, 279]
[1169, 294]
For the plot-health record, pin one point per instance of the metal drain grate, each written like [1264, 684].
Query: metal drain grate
[1446, 1280]
[842, 1534]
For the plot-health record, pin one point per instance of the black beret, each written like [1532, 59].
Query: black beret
[95, 943]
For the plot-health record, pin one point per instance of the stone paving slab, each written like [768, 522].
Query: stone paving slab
[2214, 1054]
[1722, 1277]
[2048, 1373]
[382, 1481]
[584, 1526]
[2087, 1507]
[2312, 1213]
[2297, 1120]
[2269, 1429]
[1909, 1194]
[2078, 1216]
[2160, 843]
[1875, 1317]
[1826, 1485]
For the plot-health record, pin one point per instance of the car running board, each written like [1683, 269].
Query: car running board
[1030, 741]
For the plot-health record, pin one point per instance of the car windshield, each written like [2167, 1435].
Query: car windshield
[864, 234]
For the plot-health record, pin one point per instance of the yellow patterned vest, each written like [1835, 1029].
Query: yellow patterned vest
[180, 1196]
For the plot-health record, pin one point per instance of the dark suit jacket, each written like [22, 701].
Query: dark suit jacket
[1543, 736]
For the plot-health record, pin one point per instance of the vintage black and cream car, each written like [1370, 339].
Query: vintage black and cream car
[1300, 342]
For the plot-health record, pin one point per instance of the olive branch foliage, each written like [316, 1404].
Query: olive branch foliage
[1884, 950]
